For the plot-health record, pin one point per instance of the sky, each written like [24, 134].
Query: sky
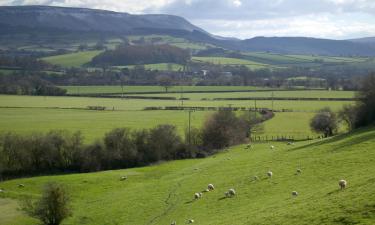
[334, 19]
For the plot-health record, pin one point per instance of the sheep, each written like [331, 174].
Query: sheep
[342, 184]
[21, 185]
[290, 143]
[124, 178]
[198, 195]
[1, 190]
[230, 193]
[211, 187]
[173, 223]
[272, 147]
[294, 193]
[269, 174]
[191, 221]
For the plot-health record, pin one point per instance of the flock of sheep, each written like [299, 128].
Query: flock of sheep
[231, 192]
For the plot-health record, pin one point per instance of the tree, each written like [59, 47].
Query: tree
[165, 81]
[52, 208]
[325, 121]
[348, 114]
[366, 105]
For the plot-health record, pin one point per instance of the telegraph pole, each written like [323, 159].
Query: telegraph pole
[189, 129]
[272, 101]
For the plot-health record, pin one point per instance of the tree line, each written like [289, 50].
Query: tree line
[27, 84]
[63, 151]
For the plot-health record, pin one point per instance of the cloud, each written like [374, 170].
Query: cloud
[247, 18]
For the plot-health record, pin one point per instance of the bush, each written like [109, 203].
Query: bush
[325, 121]
[223, 129]
[52, 208]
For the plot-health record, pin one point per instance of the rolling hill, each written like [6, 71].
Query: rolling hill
[164, 192]
[41, 26]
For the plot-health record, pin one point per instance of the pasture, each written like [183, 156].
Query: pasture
[77, 59]
[163, 193]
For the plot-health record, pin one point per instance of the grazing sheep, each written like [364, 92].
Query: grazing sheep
[272, 147]
[294, 193]
[230, 193]
[198, 195]
[1, 190]
[342, 184]
[21, 185]
[124, 178]
[211, 187]
[269, 174]
[173, 223]
[191, 221]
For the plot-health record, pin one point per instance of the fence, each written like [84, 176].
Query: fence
[265, 138]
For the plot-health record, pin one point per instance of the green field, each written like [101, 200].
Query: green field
[164, 193]
[73, 59]
[157, 66]
[153, 89]
[231, 61]
[266, 94]
[92, 124]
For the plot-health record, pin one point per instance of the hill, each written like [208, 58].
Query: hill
[303, 45]
[46, 29]
[164, 192]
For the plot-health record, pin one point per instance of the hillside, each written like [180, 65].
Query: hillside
[164, 192]
[46, 29]
[303, 45]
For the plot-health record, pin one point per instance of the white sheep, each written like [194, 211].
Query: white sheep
[191, 221]
[198, 195]
[294, 193]
[269, 174]
[124, 178]
[173, 223]
[211, 187]
[272, 147]
[343, 184]
[230, 193]
[1, 190]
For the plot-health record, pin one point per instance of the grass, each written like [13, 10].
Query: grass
[276, 94]
[77, 59]
[92, 124]
[157, 66]
[162, 193]
[152, 89]
[231, 61]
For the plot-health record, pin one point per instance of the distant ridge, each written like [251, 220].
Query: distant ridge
[60, 21]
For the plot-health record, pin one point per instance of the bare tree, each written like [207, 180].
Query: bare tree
[325, 121]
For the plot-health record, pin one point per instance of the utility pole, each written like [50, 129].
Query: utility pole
[272, 101]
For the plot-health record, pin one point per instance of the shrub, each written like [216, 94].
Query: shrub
[52, 208]
[366, 105]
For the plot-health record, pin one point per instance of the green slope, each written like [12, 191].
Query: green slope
[162, 193]
[73, 59]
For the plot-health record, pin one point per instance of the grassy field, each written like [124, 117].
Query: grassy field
[163, 193]
[276, 94]
[138, 104]
[157, 66]
[231, 61]
[73, 59]
[92, 124]
[151, 89]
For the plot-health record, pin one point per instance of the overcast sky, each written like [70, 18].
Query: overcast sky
[336, 19]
